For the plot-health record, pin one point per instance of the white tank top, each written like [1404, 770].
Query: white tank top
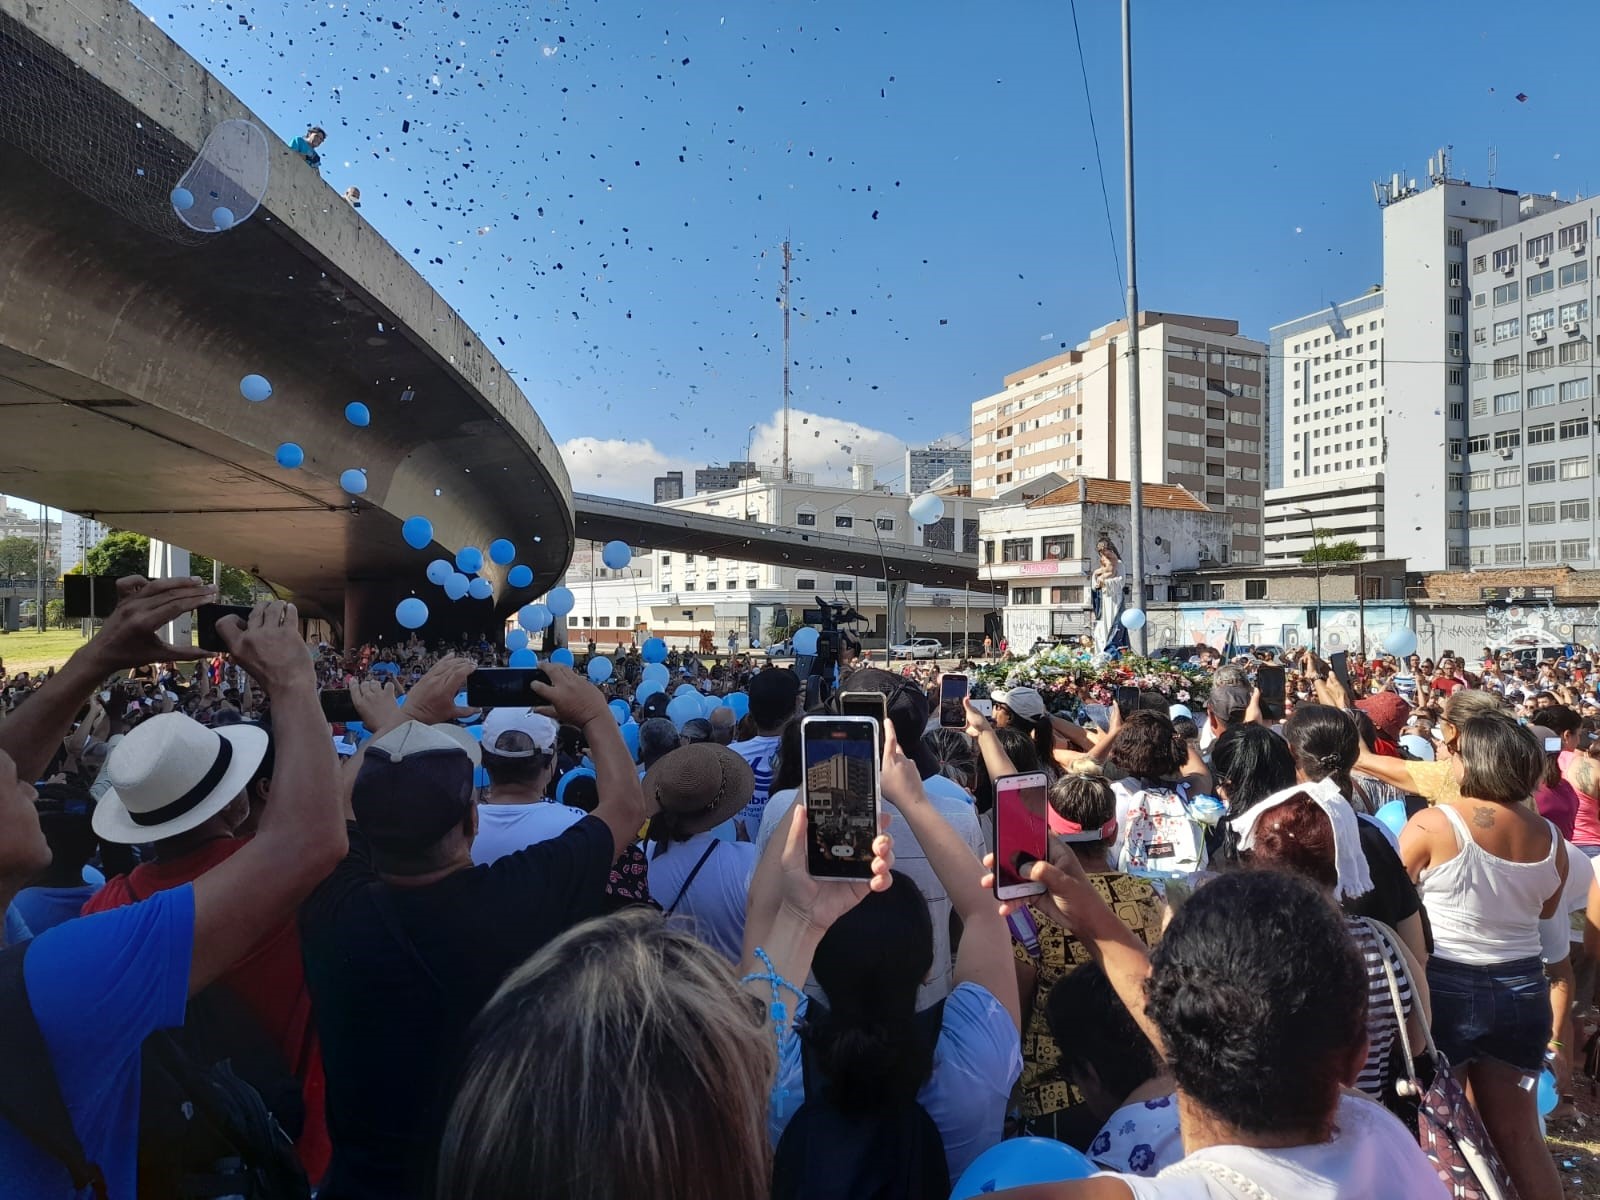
[1484, 909]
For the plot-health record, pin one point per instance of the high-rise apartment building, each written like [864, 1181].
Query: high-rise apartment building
[668, 487]
[931, 462]
[1521, 467]
[1326, 430]
[1428, 295]
[1202, 399]
[720, 479]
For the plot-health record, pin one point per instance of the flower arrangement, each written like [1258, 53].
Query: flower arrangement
[1068, 677]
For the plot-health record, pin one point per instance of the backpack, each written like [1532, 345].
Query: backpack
[203, 1131]
[1160, 837]
[826, 1154]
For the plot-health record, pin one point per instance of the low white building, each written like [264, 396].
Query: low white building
[1038, 554]
[689, 598]
[1301, 515]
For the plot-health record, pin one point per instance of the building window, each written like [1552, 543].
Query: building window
[572, 622]
[1505, 368]
[1508, 477]
[1507, 554]
[1575, 552]
[1572, 273]
[1543, 319]
[1572, 236]
[688, 585]
[1541, 552]
[1507, 402]
[1575, 468]
[1060, 546]
[885, 524]
[1453, 481]
[1027, 595]
[805, 583]
[1479, 518]
[1455, 449]
[1507, 439]
[1480, 264]
[1506, 517]
[988, 550]
[1541, 359]
[1508, 293]
[843, 521]
[666, 560]
[752, 584]
[1574, 510]
[1480, 556]
[844, 585]
[1576, 428]
[1542, 514]
[1542, 472]
[805, 518]
[1572, 313]
[1541, 245]
[1542, 397]
[1072, 594]
[1573, 352]
[1457, 556]
[1016, 550]
[1255, 589]
[1575, 389]
[1505, 258]
[1477, 443]
[1456, 406]
[1505, 330]
[1541, 283]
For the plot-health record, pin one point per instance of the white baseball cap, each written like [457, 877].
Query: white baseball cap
[518, 733]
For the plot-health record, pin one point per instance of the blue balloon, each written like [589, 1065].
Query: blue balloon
[686, 689]
[560, 601]
[222, 217]
[1392, 814]
[739, 702]
[353, 481]
[683, 709]
[358, 414]
[480, 589]
[255, 388]
[566, 782]
[1401, 642]
[620, 710]
[805, 640]
[501, 551]
[456, 586]
[616, 555]
[519, 576]
[290, 456]
[599, 669]
[562, 655]
[655, 672]
[182, 199]
[417, 532]
[647, 689]
[411, 613]
[654, 650]
[1020, 1162]
[524, 658]
[469, 560]
[516, 640]
[1133, 618]
[630, 738]
[438, 571]
[1548, 1099]
[533, 617]
[711, 704]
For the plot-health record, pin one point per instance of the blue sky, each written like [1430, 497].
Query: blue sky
[601, 189]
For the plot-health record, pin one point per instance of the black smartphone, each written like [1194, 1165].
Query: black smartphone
[205, 623]
[840, 784]
[88, 596]
[1128, 700]
[1270, 680]
[504, 687]
[337, 707]
[1339, 663]
[1021, 832]
[865, 704]
[952, 692]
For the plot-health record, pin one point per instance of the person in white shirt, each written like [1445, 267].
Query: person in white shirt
[519, 749]
[773, 693]
[701, 880]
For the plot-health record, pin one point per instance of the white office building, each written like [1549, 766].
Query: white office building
[1428, 294]
[936, 464]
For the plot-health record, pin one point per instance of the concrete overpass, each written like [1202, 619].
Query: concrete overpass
[123, 337]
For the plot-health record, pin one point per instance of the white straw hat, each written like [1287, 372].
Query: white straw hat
[171, 774]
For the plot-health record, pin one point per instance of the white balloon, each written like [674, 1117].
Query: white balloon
[927, 508]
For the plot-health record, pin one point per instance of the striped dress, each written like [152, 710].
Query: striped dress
[1383, 1031]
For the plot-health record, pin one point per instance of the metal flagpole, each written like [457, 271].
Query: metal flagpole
[1135, 448]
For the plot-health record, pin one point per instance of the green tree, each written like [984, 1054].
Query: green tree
[1332, 552]
[123, 552]
[55, 614]
[18, 557]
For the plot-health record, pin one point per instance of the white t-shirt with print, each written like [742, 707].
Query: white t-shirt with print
[506, 828]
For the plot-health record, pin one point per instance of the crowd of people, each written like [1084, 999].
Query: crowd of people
[574, 949]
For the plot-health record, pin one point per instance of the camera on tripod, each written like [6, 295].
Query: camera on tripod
[820, 670]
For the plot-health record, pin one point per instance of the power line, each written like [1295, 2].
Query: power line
[1094, 132]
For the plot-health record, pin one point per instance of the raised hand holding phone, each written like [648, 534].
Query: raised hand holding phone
[839, 762]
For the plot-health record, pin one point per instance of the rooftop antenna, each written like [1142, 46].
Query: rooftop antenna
[787, 476]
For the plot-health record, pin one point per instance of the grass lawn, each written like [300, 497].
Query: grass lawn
[26, 650]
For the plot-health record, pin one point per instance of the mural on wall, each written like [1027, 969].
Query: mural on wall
[1217, 625]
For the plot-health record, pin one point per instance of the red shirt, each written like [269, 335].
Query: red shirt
[270, 980]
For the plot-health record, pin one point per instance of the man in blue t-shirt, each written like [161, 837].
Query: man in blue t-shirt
[98, 986]
[306, 146]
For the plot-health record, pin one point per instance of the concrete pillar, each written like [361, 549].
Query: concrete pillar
[895, 623]
[171, 562]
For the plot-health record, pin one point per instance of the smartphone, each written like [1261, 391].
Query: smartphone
[1128, 700]
[337, 707]
[840, 758]
[1021, 832]
[1339, 662]
[865, 704]
[1270, 680]
[205, 623]
[504, 687]
[1552, 745]
[952, 691]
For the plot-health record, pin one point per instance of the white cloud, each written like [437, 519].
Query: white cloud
[620, 468]
[826, 446]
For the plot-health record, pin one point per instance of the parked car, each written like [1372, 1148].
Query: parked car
[919, 647]
[1178, 654]
[779, 649]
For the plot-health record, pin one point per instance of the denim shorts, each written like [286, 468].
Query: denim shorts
[1500, 1012]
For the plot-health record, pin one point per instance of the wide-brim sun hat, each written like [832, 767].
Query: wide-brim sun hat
[701, 785]
[172, 774]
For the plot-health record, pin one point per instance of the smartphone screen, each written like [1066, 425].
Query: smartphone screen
[205, 623]
[1021, 832]
[337, 707]
[865, 704]
[1128, 700]
[1339, 662]
[952, 691]
[840, 758]
[1270, 680]
[504, 687]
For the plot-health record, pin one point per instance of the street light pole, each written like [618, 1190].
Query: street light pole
[1135, 431]
[1316, 559]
